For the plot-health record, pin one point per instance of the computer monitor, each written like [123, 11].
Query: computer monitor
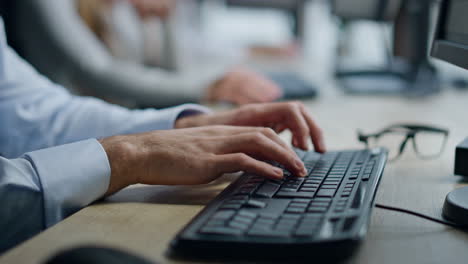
[380, 10]
[408, 71]
[451, 39]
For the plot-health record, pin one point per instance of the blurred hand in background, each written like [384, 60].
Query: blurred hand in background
[242, 86]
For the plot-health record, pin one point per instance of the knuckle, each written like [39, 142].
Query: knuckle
[256, 137]
[268, 131]
[293, 108]
[295, 104]
[242, 159]
[291, 104]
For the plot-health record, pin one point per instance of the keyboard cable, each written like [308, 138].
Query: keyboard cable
[430, 218]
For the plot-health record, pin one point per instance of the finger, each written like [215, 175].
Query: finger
[315, 131]
[273, 91]
[235, 162]
[268, 132]
[258, 145]
[298, 126]
[294, 143]
[279, 128]
[268, 91]
[274, 137]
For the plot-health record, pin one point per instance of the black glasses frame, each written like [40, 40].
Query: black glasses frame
[411, 130]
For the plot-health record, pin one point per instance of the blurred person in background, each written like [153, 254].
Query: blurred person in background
[79, 44]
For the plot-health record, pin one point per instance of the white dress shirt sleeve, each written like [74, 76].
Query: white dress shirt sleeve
[42, 187]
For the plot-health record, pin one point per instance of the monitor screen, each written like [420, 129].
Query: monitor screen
[451, 40]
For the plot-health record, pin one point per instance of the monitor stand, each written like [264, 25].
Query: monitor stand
[423, 81]
[408, 70]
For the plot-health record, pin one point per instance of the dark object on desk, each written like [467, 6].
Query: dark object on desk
[451, 39]
[461, 158]
[408, 70]
[322, 216]
[293, 86]
[95, 255]
[451, 45]
[460, 83]
[456, 206]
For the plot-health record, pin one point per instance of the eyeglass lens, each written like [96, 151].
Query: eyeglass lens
[429, 144]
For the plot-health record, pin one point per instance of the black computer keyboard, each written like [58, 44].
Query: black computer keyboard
[324, 214]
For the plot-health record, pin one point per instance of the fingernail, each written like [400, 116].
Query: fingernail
[305, 145]
[322, 146]
[299, 164]
[278, 172]
[303, 173]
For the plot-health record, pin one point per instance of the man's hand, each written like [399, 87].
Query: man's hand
[243, 87]
[278, 116]
[196, 155]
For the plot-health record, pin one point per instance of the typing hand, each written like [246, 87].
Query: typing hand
[243, 87]
[278, 116]
[196, 155]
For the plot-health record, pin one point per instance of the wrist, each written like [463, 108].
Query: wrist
[121, 155]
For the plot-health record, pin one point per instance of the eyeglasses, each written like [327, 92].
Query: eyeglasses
[428, 141]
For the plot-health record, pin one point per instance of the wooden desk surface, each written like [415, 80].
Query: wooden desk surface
[144, 219]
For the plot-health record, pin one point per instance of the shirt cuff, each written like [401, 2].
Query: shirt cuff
[71, 176]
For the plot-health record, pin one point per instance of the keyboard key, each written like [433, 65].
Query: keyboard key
[223, 214]
[286, 223]
[238, 225]
[345, 193]
[299, 205]
[326, 193]
[216, 222]
[291, 216]
[221, 231]
[247, 191]
[243, 219]
[308, 189]
[299, 200]
[295, 210]
[332, 180]
[310, 185]
[267, 190]
[255, 204]
[247, 214]
[317, 209]
[320, 204]
[266, 220]
[282, 194]
[366, 176]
